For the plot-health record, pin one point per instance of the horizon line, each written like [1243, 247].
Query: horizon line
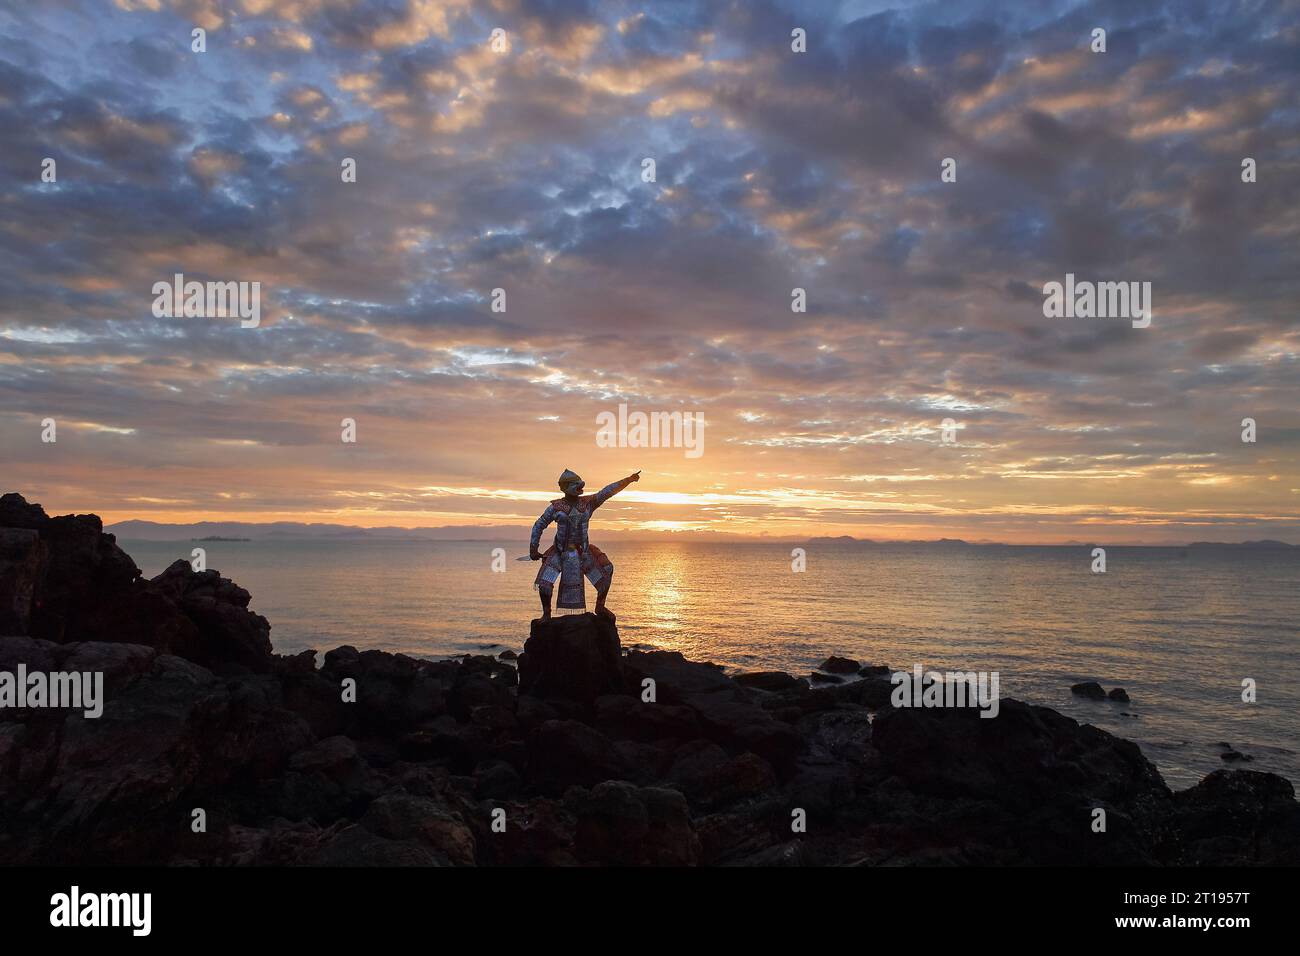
[659, 535]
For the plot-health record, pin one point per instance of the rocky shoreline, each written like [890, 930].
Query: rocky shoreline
[558, 758]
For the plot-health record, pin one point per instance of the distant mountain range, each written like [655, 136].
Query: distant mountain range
[1263, 545]
[138, 530]
[849, 539]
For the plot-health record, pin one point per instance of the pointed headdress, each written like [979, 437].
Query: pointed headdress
[567, 479]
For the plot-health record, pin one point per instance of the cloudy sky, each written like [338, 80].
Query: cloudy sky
[521, 169]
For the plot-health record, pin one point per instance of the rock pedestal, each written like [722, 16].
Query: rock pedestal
[575, 656]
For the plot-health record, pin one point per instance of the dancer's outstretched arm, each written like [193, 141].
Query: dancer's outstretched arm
[609, 491]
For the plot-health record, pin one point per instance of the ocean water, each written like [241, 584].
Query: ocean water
[1179, 629]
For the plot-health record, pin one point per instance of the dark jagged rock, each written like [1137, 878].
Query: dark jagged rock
[175, 737]
[1119, 694]
[82, 584]
[625, 825]
[768, 680]
[840, 665]
[424, 821]
[711, 778]
[625, 716]
[1239, 817]
[726, 711]
[873, 692]
[562, 753]
[496, 779]
[358, 846]
[1034, 750]
[826, 678]
[1035, 765]
[574, 656]
[586, 756]
[225, 631]
[394, 691]
[1090, 689]
[82, 789]
[75, 584]
[23, 559]
[676, 678]
[16, 512]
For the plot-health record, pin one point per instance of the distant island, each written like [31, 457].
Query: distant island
[217, 537]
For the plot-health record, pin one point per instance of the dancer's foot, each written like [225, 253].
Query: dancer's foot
[546, 616]
[604, 612]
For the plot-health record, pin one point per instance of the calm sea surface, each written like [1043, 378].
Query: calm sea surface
[1179, 629]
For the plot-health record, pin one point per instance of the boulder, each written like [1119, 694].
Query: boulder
[675, 677]
[120, 788]
[324, 781]
[1239, 818]
[840, 665]
[711, 778]
[769, 680]
[406, 817]
[1024, 755]
[840, 736]
[496, 779]
[227, 632]
[1026, 781]
[727, 713]
[396, 693]
[1090, 689]
[335, 757]
[820, 789]
[625, 716]
[358, 846]
[621, 824]
[562, 753]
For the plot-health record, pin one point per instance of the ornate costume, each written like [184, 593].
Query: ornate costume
[571, 557]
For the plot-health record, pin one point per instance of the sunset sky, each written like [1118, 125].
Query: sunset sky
[522, 170]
